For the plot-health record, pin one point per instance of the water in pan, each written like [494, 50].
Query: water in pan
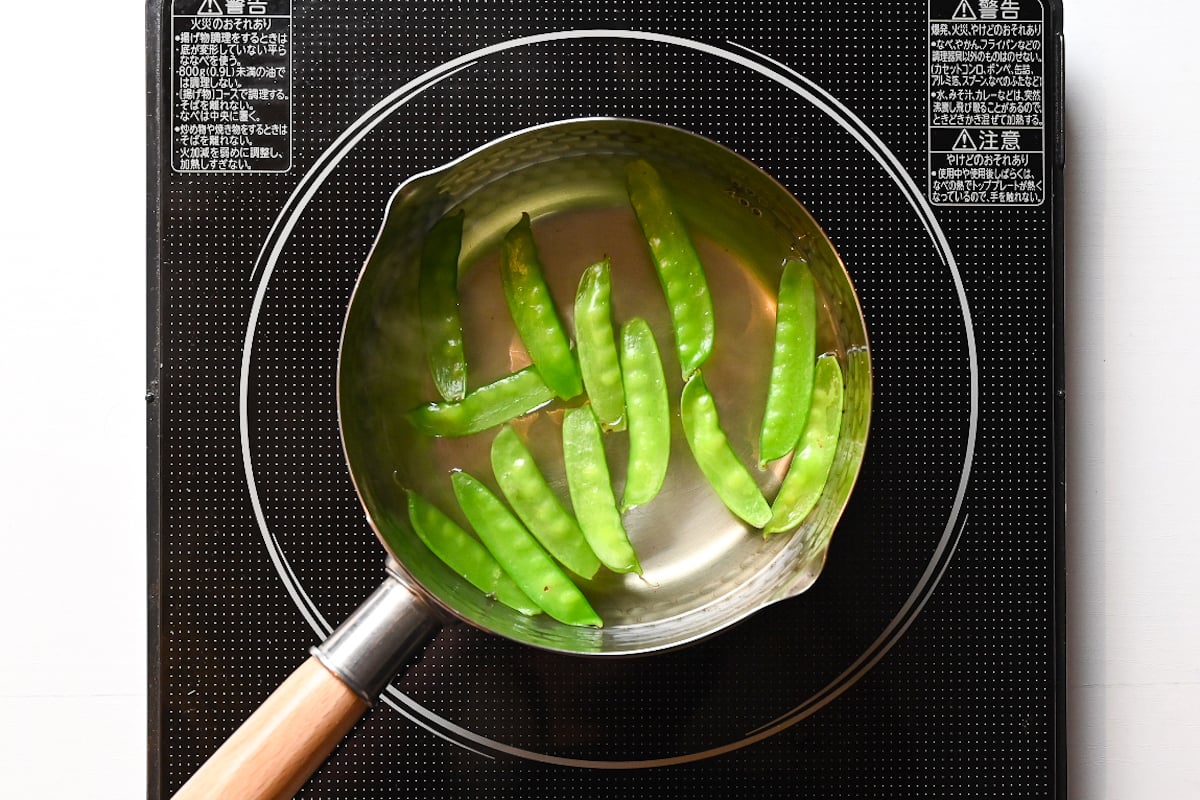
[693, 550]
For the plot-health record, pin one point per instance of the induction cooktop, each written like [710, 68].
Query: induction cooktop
[926, 140]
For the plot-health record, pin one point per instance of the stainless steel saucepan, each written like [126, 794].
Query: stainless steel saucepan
[704, 570]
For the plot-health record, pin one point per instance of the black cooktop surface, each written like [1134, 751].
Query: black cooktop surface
[923, 136]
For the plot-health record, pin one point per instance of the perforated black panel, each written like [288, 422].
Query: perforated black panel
[925, 662]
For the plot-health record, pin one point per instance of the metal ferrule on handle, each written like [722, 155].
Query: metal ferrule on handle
[375, 641]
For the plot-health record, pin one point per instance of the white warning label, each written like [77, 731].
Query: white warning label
[987, 103]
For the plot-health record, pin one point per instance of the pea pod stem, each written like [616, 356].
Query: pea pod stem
[529, 494]
[437, 293]
[716, 458]
[648, 413]
[463, 553]
[534, 313]
[789, 392]
[530, 566]
[486, 407]
[677, 263]
[598, 360]
[590, 486]
[809, 471]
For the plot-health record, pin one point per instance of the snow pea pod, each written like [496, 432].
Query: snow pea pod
[463, 553]
[591, 491]
[648, 414]
[726, 473]
[520, 555]
[809, 470]
[486, 407]
[437, 294]
[598, 360]
[538, 506]
[789, 392]
[678, 265]
[534, 313]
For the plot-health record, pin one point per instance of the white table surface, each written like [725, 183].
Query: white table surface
[72, 311]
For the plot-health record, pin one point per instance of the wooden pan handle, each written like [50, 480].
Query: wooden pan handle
[275, 751]
[282, 743]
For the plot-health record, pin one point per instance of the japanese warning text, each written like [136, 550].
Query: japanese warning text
[231, 85]
[987, 103]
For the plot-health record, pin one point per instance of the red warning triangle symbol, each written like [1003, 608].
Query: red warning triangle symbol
[964, 11]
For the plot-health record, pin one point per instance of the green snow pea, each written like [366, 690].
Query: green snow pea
[538, 506]
[648, 412]
[486, 407]
[534, 313]
[597, 346]
[720, 464]
[520, 555]
[677, 263]
[438, 296]
[591, 491]
[465, 555]
[789, 392]
[809, 470]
